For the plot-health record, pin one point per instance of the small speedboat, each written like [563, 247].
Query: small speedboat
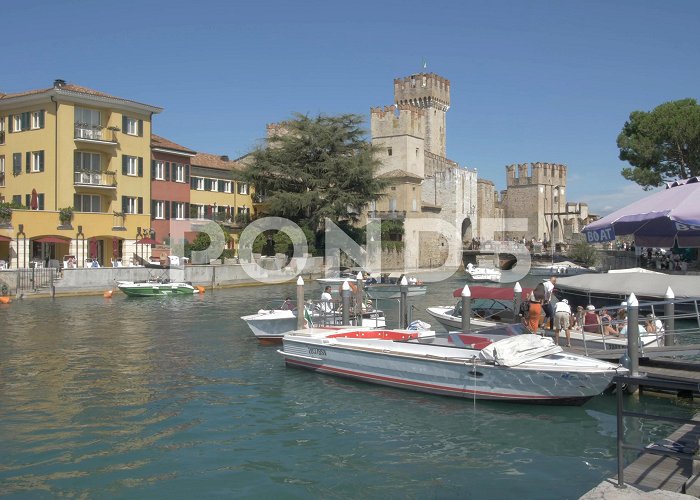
[157, 288]
[564, 268]
[522, 368]
[483, 273]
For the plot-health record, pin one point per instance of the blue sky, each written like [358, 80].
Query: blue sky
[551, 81]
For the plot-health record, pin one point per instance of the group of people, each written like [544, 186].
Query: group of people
[541, 313]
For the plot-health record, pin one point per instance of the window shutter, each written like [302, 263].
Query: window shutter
[153, 209]
[41, 118]
[192, 182]
[10, 123]
[124, 165]
[140, 166]
[140, 201]
[41, 201]
[153, 169]
[16, 163]
[125, 123]
[25, 120]
[187, 211]
[221, 186]
[167, 170]
[41, 161]
[125, 204]
[27, 200]
[207, 184]
[140, 128]
[28, 166]
[187, 172]
[167, 210]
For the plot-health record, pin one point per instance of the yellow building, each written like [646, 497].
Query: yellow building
[216, 192]
[69, 148]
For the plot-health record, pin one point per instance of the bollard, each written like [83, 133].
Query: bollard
[346, 292]
[517, 300]
[669, 321]
[360, 298]
[466, 309]
[403, 304]
[300, 303]
[633, 334]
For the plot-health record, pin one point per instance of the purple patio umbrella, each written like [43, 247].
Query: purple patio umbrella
[659, 220]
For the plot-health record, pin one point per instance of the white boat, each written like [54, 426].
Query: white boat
[381, 291]
[270, 325]
[337, 279]
[483, 273]
[520, 368]
[565, 268]
[157, 288]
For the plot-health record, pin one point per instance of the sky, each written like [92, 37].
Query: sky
[531, 80]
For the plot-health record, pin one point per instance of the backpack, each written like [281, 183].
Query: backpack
[524, 309]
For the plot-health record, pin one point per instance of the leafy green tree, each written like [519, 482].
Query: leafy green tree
[583, 253]
[313, 168]
[663, 144]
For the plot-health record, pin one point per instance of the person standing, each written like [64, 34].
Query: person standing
[534, 317]
[562, 321]
[327, 300]
[547, 302]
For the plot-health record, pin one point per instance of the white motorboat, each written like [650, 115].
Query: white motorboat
[382, 291]
[483, 273]
[520, 368]
[270, 325]
[565, 268]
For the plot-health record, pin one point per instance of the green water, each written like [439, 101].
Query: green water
[174, 398]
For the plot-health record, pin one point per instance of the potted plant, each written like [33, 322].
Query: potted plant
[5, 213]
[65, 215]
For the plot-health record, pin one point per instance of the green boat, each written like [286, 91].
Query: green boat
[155, 288]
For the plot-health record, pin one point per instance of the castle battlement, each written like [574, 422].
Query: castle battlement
[423, 90]
[523, 174]
[401, 119]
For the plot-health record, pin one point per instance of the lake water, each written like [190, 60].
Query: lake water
[174, 398]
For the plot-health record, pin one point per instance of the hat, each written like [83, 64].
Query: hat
[590, 307]
[565, 301]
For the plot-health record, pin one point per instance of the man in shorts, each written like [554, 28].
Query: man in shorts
[562, 321]
[547, 303]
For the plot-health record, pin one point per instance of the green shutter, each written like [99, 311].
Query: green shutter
[41, 161]
[10, 122]
[124, 123]
[124, 165]
[153, 209]
[41, 118]
[140, 128]
[140, 202]
[187, 210]
[187, 172]
[16, 163]
[41, 201]
[153, 169]
[167, 210]
[28, 157]
[125, 204]
[166, 169]
[25, 118]
[140, 166]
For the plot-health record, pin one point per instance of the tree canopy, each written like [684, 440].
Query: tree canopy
[662, 145]
[313, 168]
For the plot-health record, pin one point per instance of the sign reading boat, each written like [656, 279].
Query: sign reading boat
[600, 235]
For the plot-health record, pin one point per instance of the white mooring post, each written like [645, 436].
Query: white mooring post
[517, 300]
[466, 309]
[403, 303]
[300, 303]
[669, 323]
[360, 299]
[633, 334]
[346, 292]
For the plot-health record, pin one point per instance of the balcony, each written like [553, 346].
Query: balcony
[95, 134]
[387, 214]
[95, 180]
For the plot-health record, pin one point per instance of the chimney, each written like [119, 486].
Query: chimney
[224, 157]
[57, 84]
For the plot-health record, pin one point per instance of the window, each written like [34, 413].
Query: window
[392, 205]
[87, 118]
[87, 203]
[178, 210]
[214, 185]
[37, 119]
[17, 199]
[414, 205]
[132, 205]
[2, 171]
[17, 123]
[417, 149]
[198, 183]
[200, 211]
[389, 151]
[159, 210]
[16, 163]
[2, 130]
[132, 126]
[159, 170]
[243, 210]
[87, 162]
[227, 187]
[179, 173]
[130, 166]
[37, 161]
[242, 188]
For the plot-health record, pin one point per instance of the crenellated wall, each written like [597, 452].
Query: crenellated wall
[523, 174]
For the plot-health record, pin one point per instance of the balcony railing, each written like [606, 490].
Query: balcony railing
[386, 214]
[94, 133]
[94, 179]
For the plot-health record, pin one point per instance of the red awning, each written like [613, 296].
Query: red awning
[491, 292]
[52, 239]
[146, 241]
[5, 238]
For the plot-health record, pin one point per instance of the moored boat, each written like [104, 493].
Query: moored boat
[520, 368]
[156, 288]
[382, 291]
[483, 273]
[564, 268]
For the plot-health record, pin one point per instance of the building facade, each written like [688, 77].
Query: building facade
[75, 164]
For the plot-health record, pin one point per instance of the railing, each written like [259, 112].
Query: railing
[94, 133]
[87, 178]
[35, 278]
[387, 214]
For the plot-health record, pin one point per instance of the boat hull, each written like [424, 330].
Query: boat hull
[156, 289]
[457, 377]
[382, 291]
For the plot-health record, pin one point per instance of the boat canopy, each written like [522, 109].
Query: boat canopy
[492, 292]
